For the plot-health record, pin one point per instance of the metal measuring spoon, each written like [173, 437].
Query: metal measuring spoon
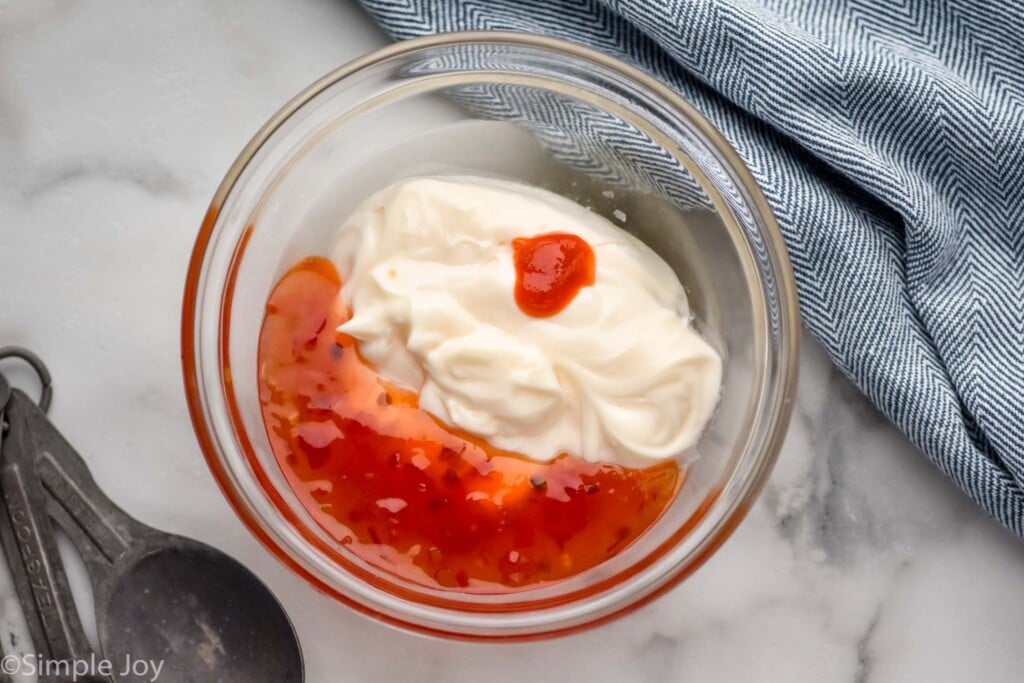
[29, 543]
[159, 597]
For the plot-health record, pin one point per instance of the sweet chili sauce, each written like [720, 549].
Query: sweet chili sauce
[406, 493]
[550, 270]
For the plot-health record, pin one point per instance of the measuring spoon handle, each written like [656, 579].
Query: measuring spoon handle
[31, 547]
[102, 531]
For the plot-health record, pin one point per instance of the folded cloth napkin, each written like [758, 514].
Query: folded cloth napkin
[889, 139]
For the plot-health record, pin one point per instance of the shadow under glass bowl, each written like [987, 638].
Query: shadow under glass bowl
[541, 111]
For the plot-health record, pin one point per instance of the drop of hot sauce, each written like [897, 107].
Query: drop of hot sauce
[408, 494]
[551, 269]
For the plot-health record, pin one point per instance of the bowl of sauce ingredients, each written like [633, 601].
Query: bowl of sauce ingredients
[490, 336]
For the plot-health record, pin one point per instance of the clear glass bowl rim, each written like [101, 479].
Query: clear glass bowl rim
[788, 320]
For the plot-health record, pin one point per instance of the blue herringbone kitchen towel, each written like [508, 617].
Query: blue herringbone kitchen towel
[889, 138]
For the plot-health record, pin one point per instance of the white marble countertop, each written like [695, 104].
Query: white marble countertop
[860, 562]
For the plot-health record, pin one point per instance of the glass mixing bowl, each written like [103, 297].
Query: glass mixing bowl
[541, 111]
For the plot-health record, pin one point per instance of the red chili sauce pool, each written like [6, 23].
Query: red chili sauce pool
[410, 495]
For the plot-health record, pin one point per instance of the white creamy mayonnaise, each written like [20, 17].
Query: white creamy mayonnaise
[618, 376]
